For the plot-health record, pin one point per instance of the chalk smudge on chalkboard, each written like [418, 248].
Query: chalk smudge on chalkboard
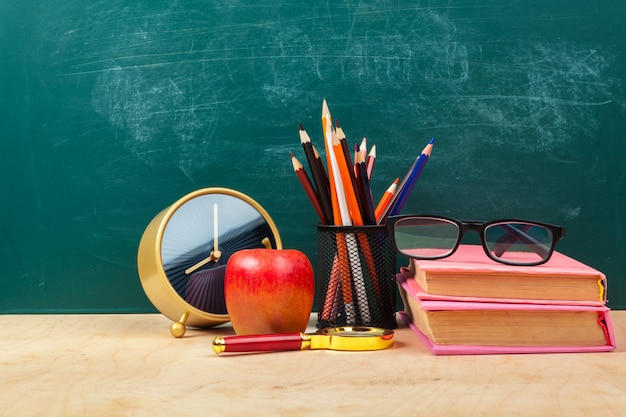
[541, 97]
[172, 80]
[158, 119]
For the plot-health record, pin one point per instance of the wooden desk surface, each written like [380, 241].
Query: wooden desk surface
[129, 365]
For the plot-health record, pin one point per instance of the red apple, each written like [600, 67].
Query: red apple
[269, 291]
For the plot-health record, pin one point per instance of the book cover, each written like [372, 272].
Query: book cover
[490, 328]
[470, 274]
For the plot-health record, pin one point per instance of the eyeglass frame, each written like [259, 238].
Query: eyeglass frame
[558, 233]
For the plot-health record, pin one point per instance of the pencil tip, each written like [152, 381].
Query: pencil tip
[428, 148]
[304, 137]
[291, 154]
[300, 127]
[325, 109]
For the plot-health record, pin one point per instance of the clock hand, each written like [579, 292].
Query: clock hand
[215, 254]
[203, 262]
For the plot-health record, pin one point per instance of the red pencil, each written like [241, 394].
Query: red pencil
[308, 187]
[370, 161]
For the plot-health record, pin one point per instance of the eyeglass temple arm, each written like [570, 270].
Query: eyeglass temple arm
[514, 235]
[507, 240]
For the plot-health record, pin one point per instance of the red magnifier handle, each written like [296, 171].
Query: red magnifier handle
[260, 342]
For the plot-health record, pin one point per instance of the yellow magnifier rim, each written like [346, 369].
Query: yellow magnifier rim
[352, 338]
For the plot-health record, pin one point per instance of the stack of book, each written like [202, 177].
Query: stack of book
[469, 304]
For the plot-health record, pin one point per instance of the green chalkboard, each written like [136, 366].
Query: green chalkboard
[113, 110]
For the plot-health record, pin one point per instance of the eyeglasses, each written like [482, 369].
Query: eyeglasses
[512, 242]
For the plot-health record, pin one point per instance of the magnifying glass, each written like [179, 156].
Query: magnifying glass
[333, 338]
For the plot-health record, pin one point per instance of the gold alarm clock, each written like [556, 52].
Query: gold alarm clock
[183, 253]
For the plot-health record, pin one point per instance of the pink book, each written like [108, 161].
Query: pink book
[469, 275]
[464, 327]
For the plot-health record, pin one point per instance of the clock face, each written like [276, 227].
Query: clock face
[200, 236]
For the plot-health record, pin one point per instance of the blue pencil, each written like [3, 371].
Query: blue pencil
[411, 178]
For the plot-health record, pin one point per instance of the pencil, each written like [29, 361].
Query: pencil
[357, 211]
[346, 282]
[356, 155]
[347, 183]
[341, 136]
[340, 133]
[357, 273]
[322, 169]
[411, 178]
[369, 219]
[364, 188]
[308, 187]
[370, 161]
[383, 204]
[331, 300]
[358, 149]
[321, 185]
[341, 212]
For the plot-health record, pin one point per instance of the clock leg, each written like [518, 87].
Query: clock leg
[178, 329]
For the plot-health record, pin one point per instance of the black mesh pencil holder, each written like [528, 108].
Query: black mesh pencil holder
[356, 269]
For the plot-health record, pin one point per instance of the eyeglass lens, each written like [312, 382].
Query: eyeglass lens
[509, 242]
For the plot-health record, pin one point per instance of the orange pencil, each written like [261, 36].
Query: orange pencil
[385, 200]
[308, 187]
[331, 300]
[346, 169]
[341, 136]
[348, 189]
